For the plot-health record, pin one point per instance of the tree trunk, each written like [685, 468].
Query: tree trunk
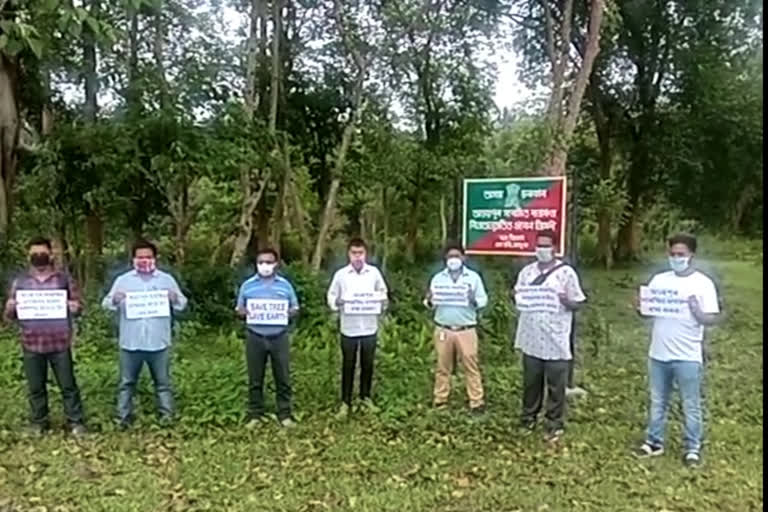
[158, 45]
[94, 229]
[10, 126]
[89, 66]
[133, 94]
[328, 216]
[245, 224]
[251, 96]
[274, 89]
[443, 222]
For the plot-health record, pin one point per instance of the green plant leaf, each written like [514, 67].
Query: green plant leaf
[36, 46]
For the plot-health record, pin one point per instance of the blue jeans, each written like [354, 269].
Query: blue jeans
[131, 362]
[662, 376]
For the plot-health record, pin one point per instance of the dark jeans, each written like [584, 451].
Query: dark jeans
[257, 349]
[349, 350]
[36, 370]
[536, 374]
[131, 362]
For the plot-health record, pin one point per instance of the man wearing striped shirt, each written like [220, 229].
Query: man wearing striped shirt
[358, 292]
[145, 336]
[47, 341]
[456, 293]
[267, 302]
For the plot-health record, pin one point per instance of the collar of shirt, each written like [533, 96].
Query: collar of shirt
[464, 272]
[364, 270]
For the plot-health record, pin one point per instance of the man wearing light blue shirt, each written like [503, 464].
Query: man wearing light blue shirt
[267, 302]
[144, 298]
[455, 294]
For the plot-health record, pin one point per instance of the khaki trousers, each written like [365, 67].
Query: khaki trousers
[462, 345]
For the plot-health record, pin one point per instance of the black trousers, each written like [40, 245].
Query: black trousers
[257, 349]
[36, 371]
[350, 346]
[536, 374]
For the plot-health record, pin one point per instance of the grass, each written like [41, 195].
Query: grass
[409, 458]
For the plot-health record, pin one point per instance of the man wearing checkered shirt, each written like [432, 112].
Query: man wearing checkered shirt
[48, 341]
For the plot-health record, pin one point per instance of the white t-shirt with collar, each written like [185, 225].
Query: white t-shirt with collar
[346, 279]
[548, 335]
[680, 339]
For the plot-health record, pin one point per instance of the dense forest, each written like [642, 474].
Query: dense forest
[219, 126]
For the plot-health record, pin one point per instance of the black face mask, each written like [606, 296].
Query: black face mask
[40, 259]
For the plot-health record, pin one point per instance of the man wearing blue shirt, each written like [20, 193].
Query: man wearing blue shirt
[455, 294]
[267, 302]
[144, 298]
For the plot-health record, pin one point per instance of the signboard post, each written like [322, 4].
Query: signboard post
[503, 215]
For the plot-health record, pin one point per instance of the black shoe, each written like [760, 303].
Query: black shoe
[692, 459]
[124, 424]
[528, 426]
[477, 412]
[36, 429]
[648, 449]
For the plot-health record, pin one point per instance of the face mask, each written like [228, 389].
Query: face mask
[357, 262]
[265, 269]
[545, 254]
[453, 264]
[144, 266]
[679, 263]
[40, 259]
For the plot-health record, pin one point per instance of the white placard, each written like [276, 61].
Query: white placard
[450, 295]
[536, 299]
[41, 304]
[663, 302]
[151, 304]
[266, 312]
[363, 303]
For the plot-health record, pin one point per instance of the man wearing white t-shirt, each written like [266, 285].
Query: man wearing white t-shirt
[358, 292]
[675, 355]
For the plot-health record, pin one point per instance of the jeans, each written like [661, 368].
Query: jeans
[536, 374]
[349, 350]
[257, 349]
[36, 371]
[131, 362]
[662, 376]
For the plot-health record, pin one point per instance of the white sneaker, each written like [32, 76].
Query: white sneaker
[575, 392]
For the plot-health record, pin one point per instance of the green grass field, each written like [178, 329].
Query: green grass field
[409, 458]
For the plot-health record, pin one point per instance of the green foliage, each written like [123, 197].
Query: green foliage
[407, 457]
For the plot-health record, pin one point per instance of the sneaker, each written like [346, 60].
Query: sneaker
[36, 429]
[343, 412]
[649, 450]
[554, 435]
[692, 459]
[440, 406]
[575, 392]
[288, 422]
[255, 422]
[528, 426]
[78, 430]
[368, 405]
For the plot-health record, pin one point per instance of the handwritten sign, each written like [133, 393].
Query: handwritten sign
[41, 304]
[456, 295]
[363, 303]
[537, 299]
[266, 312]
[663, 302]
[151, 304]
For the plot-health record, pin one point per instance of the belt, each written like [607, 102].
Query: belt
[455, 328]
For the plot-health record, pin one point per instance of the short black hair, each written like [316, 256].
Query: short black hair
[450, 246]
[548, 233]
[143, 244]
[40, 240]
[683, 238]
[357, 242]
[268, 250]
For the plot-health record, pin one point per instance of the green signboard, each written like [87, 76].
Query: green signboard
[503, 215]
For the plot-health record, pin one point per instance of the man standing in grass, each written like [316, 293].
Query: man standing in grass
[267, 302]
[358, 292]
[544, 337]
[143, 298]
[675, 355]
[46, 336]
[456, 293]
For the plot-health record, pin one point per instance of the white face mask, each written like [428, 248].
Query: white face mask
[266, 269]
[545, 254]
[453, 264]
